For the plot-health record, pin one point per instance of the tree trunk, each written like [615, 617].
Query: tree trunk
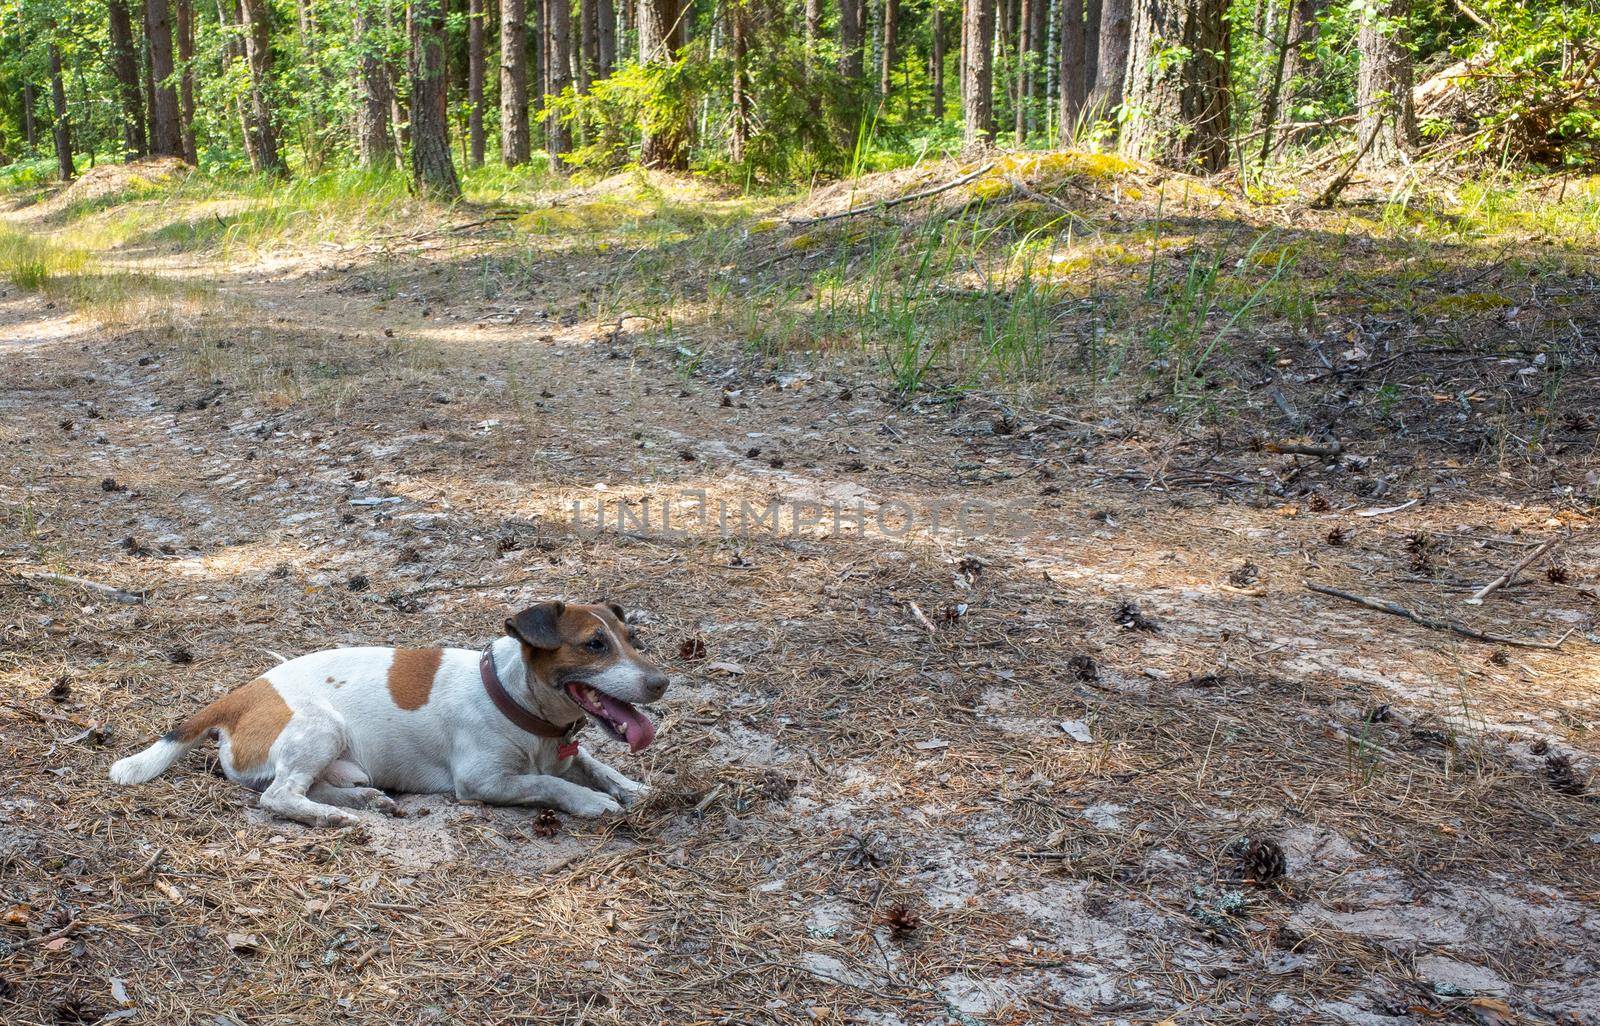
[850, 39]
[1022, 88]
[475, 59]
[557, 133]
[1091, 46]
[232, 50]
[1269, 114]
[1072, 82]
[514, 144]
[186, 79]
[374, 138]
[149, 81]
[1039, 68]
[606, 38]
[30, 131]
[1111, 61]
[167, 139]
[666, 144]
[1305, 17]
[977, 84]
[125, 65]
[886, 69]
[1383, 84]
[1179, 105]
[937, 70]
[60, 129]
[433, 174]
[814, 29]
[258, 56]
[588, 44]
[739, 44]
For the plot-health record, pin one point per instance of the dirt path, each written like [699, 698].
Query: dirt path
[920, 775]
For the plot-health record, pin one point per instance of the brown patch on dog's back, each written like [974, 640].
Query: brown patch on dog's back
[252, 716]
[411, 676]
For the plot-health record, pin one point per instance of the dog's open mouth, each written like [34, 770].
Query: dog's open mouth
[621, 720]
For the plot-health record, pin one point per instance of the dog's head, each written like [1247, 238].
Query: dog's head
[586, 654]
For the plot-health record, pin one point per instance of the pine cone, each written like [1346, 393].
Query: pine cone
[1564, 777]
[1262, 859]
[546, 824]
[901, 921]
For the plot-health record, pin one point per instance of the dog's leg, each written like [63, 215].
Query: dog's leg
[587, 771]
[536, 789]
[310, 741]
[350, 797]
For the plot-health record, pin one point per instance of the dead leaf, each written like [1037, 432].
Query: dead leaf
[243, 942]
[731, 668]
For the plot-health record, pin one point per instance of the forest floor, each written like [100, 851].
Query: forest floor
[991, 769]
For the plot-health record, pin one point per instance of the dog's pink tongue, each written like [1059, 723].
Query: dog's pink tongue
[639, 728]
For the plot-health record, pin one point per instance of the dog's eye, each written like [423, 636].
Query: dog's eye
[595, 644]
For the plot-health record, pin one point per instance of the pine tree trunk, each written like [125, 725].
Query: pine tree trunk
[664, 145]
[515, 148]
[433, 173]
[1305, 17]
[1091, 46]
[475, 59]
[30, 131]
[977, 79]
[739, 45]
[125, 65]
[374, 139]
[1039, 68]
[937, 70]
[186, 78]
[60, 128]
[1022, 88]
[851, 32]
[1072, 82]
[1383, 84]
[167, 140]
[228, 19]
[149, 81]
[606, 38]
[588, 44]
[1180, 106]
[814, 30]
[258, 55]
[558, 134]
[886, 70]
[1111, 62]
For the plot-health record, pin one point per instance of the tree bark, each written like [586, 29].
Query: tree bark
[937, 59]
[60, 128]
[665, 144]
[739, 44]
[149, 80]
[475, 59]
[374, 138]
[515, 148]
[588, 44]
[258, 56]
[228, 18]
[814, 29]
[1091, 46]
[167, 139]
[1383, 83]
[30, 131]
[186, 79]
[1305, 17]
[606, 38]
[125, 66]
[557, 133]
[1072, 82]
[433, 173]
[977, 85]
[1179, 106]
[886, 69]
[851, 32]
[1111, 61]
[1022, 88]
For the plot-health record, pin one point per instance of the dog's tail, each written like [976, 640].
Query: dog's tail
[153, 761]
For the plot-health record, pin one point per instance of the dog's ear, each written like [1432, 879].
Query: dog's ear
[617, 612]
[538, 626]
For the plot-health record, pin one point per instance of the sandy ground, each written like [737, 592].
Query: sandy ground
[993, 769]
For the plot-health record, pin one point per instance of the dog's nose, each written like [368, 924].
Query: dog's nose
[655, 685]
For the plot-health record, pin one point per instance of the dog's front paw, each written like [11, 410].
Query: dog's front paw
[629, 792]
[589, 803]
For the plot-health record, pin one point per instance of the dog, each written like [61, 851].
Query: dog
[335, 730]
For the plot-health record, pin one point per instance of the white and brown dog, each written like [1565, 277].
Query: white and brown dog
[324, 732]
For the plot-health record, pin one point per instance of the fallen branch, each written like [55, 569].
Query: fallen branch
[1511, 575]
[1395, 609]
[29, 942]
[1048, 200]
[129, 597]
[1330, 451]
[1335, 187]
[897, 201]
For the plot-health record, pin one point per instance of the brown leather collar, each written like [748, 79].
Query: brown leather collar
[513, 711]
